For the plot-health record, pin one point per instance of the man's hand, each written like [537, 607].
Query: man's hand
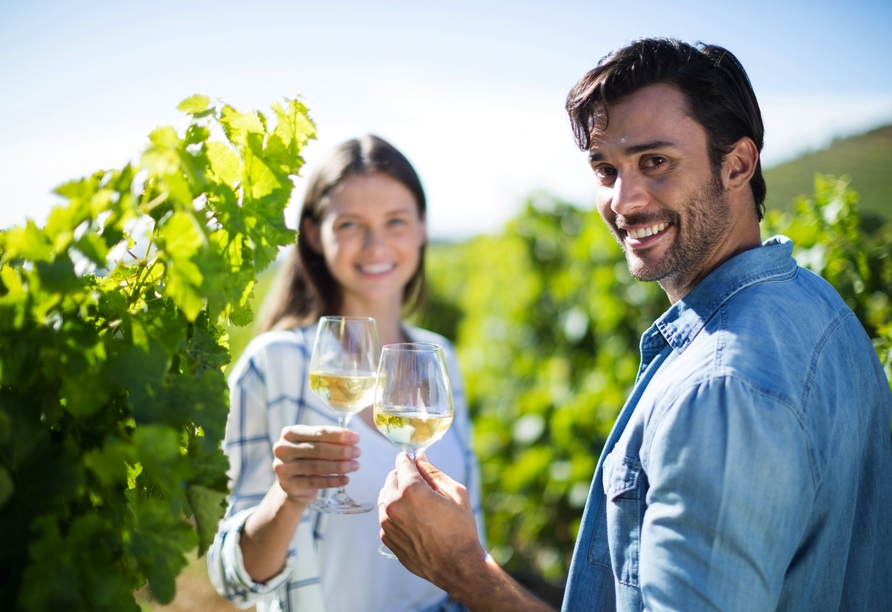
[309, 458]
[427, 521]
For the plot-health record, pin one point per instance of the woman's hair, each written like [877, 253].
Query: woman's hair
[304, 288]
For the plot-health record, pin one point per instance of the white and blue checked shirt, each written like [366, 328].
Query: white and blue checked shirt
[332, 563]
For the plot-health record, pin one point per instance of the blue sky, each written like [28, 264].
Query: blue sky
[472, 92]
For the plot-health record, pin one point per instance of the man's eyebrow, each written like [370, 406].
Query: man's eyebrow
[594, 156]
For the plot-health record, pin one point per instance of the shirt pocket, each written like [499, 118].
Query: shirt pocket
[624, 487]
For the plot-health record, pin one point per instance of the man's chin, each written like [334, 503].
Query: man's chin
[641, 271]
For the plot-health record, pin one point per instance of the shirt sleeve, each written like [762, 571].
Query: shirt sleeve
[226, 567]
[248, 446]
[731, 483]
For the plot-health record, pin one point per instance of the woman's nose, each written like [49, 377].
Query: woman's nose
[374, 237]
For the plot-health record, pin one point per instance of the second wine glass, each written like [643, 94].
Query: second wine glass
[413, 398]
[342, 373]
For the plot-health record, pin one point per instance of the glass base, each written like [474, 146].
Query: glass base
[339, 503]
[386, 552]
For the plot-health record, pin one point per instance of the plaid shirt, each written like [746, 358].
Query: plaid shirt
[269, 391]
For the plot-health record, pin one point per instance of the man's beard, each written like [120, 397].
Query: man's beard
[703, 227]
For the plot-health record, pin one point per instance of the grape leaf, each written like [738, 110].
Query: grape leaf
[194, 104]
[208, 508]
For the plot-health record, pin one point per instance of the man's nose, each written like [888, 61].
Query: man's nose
[628, 194]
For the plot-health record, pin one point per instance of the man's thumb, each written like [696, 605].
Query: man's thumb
[437, 480]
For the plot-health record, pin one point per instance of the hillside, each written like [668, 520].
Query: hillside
[866, 159]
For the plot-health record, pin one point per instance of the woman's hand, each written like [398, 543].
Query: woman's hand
[309, 458]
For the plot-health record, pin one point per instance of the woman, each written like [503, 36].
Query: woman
[360, 253]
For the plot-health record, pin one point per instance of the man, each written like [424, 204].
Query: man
[751, 467]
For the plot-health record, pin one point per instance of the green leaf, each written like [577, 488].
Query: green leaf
[208, 507]
[183, 282]
[110, 464]
[204, 345]
[27, 242]
[50, 581]
[5, 427]
[162, 158]
[182, 235]
[85, 394]
[159, 544]
[7, 487]
[139, 371]
[93, 247]
[225, 164]
[194, 104]
[158, 451]
[241, 316]
[183, 238]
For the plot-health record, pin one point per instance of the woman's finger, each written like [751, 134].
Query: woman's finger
[309, 486]
[285, 450]
[313, 467]
[319, 433]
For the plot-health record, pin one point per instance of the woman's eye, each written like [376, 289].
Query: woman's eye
[345, 225]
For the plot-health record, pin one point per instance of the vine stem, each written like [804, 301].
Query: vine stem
[145, 266]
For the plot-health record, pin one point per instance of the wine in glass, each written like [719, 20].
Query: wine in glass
[413, 398]
[342, 373]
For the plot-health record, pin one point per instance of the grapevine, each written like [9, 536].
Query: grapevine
[113, 398]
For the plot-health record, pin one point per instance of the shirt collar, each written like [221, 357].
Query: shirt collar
[686, 318]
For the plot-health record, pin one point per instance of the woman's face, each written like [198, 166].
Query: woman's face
[370, 234]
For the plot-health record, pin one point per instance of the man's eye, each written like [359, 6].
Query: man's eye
[605, 172]
[396, 221]
[654, 161]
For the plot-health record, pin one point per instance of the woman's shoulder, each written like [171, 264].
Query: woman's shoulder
[417, 334]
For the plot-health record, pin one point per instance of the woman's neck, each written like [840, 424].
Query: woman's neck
[387, 317]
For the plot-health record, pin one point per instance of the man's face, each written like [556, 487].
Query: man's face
[658, 192]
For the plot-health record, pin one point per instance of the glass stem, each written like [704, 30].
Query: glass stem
[411, 452]
[343, 421]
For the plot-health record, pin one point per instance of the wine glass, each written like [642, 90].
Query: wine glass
[342, 373]
[413, 398]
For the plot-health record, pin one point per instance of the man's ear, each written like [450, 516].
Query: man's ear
[740, 164]
[309, 231]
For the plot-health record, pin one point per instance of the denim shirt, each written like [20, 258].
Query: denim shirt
[751, 467]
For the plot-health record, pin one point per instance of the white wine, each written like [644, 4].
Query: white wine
[344, 392]
[410, 429]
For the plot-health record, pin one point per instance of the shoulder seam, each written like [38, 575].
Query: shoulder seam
[781, 399]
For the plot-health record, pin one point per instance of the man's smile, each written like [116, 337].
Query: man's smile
[650, 230]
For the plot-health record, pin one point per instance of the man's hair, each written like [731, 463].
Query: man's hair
[718, 91]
